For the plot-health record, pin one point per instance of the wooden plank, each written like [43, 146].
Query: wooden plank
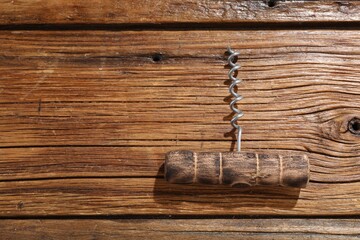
[129, 196]
[141, 161]
[260, 229]
[90, 104]
[170, 11]
[303, 83]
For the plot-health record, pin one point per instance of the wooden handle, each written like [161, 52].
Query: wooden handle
[238, 169]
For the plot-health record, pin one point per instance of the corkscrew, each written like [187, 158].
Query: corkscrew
[237, 97]
[237, 168]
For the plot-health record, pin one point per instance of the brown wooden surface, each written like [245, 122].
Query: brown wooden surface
[87, 116]
[95, 107]
[176, 11]
[263, 229]
[117, 196]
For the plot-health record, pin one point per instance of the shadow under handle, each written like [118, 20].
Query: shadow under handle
[238, 169]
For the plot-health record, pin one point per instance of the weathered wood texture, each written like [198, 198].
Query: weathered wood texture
[176, 11]
[116, 196]
[260, 229]
[92, 104]
[237, 169]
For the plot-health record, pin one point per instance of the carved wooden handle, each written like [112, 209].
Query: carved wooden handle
[238, 169]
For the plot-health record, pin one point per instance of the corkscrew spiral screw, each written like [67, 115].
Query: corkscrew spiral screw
[237, 97]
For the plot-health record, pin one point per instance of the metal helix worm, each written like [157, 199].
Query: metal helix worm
[237, 97]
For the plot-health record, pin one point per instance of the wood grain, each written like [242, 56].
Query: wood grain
[149, 196]
[170, 11]
[237, 169]
[87, 116]
[260, 229]
[139, 161]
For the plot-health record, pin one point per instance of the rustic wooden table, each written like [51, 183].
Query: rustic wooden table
[94, 93]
